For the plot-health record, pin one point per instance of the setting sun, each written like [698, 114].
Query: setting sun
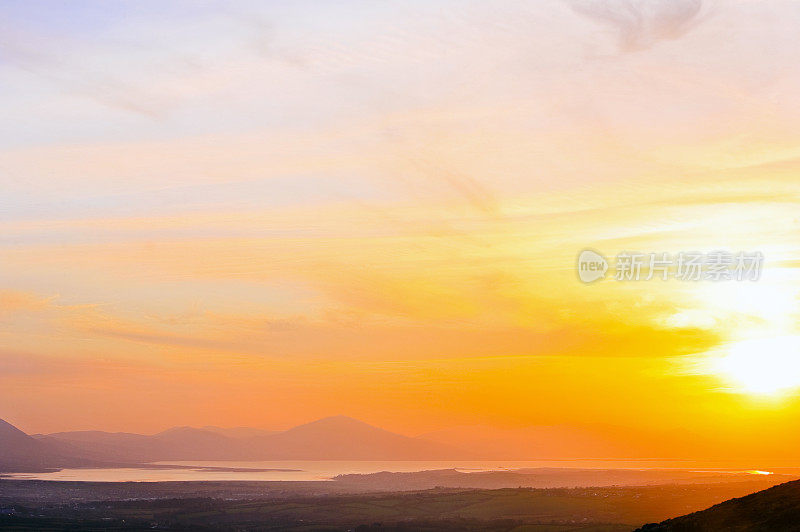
[762, 366]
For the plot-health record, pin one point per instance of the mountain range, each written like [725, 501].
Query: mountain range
[339, 438]
[332, 438]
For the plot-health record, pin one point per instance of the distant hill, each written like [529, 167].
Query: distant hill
[179, 443]
[239, 432]
[774, 509]
[345, 438]
[333, 438]
[556, 478]
[20, 452]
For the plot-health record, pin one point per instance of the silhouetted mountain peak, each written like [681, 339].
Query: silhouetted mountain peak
[20, 452]
[8, 431]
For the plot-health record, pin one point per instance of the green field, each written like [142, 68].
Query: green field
[133, 506]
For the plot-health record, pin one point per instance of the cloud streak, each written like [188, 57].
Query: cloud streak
[640, 24]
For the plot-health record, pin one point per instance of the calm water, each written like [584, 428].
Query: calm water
[327, 469]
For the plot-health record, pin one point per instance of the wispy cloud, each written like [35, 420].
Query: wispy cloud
[48, 59]
[639, 24]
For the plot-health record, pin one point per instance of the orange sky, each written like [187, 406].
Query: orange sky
[272, 214]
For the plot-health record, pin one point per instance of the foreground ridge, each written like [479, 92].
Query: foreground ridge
[773, 509]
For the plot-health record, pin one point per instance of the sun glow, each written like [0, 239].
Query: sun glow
[762, 366]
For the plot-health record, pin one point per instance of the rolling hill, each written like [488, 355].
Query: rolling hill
[773, 509]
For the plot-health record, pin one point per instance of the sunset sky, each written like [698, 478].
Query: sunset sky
[263, 213]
